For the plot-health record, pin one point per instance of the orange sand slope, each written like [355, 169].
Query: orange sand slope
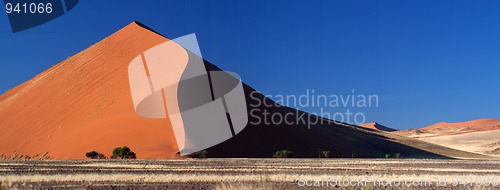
[376, 126]
[84, 99]
[464, 127]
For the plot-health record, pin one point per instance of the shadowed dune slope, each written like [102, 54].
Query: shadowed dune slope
[343, 140]
[84, 103]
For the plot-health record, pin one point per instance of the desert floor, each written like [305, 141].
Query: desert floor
[236, 173]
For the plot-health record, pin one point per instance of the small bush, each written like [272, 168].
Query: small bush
[123, 153]
[388, 155]
[95, 155]
[199, 154]
[325, 153]
[398, 155]
[283, 154]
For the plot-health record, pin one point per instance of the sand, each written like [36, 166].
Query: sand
[484, 142]
[479, 136]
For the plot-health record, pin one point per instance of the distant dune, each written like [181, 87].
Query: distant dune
[83, 103]
[377, 126]
[479, 136]
[463, 127]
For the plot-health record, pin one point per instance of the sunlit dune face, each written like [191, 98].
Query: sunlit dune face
[84, 104]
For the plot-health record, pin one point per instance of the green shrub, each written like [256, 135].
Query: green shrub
[398, 155]
[199, 154]
[95, 155]
[388, 155]
[123, 153]
[283, 154]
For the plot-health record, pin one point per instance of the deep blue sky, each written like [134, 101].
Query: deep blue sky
[428, 61]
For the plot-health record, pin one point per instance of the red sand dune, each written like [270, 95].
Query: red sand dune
[82, 100]
[84, 104]
[376, 126]
[410, 132]
[464, 127]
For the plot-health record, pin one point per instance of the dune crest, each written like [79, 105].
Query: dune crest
[377, 126]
